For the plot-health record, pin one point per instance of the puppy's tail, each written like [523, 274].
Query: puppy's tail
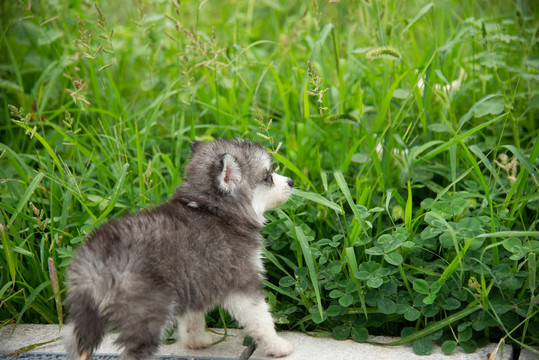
[86, 328]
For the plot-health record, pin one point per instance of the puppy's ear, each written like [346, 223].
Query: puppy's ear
[230, 175]
[195, 144]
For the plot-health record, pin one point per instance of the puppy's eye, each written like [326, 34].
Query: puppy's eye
[268, 178]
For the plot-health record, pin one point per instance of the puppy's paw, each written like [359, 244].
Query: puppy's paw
[277, 347]
[200, 340]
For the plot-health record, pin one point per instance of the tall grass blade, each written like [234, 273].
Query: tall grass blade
[53, 275]
[341, 182]
[315, 53]
[290, 166]
[309, 260]
[115, 193]
[523, 160]
[26, 197]
[317, 198]
[30, 299]
[418, 16]
[432, 328]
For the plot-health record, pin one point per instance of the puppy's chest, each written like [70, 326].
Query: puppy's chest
[256, 261]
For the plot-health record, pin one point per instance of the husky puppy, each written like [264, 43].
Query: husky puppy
[182, 258]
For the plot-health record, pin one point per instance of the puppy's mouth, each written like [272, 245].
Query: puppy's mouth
[287, 192]
[285, 184]
[268, 197]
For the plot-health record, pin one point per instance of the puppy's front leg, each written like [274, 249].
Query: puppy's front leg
[252, 312]
[193, 332]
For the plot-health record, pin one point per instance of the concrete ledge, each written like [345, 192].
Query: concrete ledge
[526, 354]
[305, 347]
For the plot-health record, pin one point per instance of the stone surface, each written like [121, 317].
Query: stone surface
[305, 347]
[526, 354]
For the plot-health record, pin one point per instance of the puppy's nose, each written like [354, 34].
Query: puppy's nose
[290, 182]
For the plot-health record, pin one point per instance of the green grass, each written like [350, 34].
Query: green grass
[409, 127]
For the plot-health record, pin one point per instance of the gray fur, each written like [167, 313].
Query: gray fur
[184, 256]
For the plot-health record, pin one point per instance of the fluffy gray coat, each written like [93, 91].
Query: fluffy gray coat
[200, 249]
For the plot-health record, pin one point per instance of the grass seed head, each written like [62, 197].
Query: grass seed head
[49, 21]
[397, 212]
[34, 209]
[18, 115]
[510, 167]
[85, 35]
[314, 79]
[474, 285]
[384, 52]
[262, 125]
[101, 20]
[315, 82]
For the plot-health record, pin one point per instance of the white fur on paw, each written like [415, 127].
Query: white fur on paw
[200, 341]
[277, 347]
